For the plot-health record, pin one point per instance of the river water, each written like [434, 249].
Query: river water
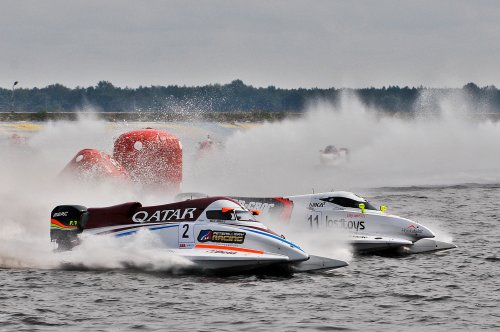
[406, 165]
[455, 289]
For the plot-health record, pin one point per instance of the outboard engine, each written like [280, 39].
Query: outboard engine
[66, 222]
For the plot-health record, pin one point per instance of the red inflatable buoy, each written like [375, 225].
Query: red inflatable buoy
[91, 164]
[151, 157]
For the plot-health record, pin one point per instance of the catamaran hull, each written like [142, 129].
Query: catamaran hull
[276, 264]
[401, 247]
[429, 245]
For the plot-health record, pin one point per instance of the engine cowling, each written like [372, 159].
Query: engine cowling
[66, 222]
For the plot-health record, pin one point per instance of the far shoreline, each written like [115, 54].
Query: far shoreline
[220, 117]
[257, 116]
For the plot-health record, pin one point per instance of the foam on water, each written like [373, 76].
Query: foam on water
[142, 251]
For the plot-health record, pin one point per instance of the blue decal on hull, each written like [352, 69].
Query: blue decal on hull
[151, 229]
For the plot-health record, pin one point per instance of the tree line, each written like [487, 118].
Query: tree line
[233, 97]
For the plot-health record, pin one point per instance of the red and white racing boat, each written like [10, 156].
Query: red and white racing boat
[215, 233]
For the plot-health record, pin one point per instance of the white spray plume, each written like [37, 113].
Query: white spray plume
[326, 242]
[30, 189]
[142, 250]
[450, 145]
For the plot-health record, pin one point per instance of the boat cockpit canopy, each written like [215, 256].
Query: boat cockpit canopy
[231, 214]
[348, 202]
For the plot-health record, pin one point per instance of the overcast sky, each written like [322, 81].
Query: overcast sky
[288, 43]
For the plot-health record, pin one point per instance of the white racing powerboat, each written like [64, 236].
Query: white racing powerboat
[331, 156]
[369, 230]
[214, 234]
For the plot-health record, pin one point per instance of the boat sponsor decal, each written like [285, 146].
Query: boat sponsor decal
[164, 215]
[253, 205]
[412, 229]
[225, 252]
[354, 225]
[316, 205]
[355, 215]
[56, 224]
[332, 206]
[359, 236]
[222, 247]
[357, 225]
[208, 235]
[274, 206]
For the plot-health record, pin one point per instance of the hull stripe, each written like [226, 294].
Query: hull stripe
[151, 229]
[293, 245]
[215, 246]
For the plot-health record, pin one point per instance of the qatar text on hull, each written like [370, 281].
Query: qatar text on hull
[215, 233]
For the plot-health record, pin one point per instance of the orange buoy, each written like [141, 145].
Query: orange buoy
[151, 157]
[91, 164]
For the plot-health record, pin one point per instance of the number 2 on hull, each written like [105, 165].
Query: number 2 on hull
[186, 235]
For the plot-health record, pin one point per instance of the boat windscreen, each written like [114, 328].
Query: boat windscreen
[348, 203]
[219, 215]
[245, 215]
